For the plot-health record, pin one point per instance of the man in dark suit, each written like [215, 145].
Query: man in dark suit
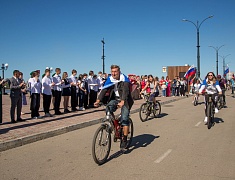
[16, 85]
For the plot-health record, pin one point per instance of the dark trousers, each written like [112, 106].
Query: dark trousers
[16, 103]
[73, 97]
[35, 104]
[57, 101]
[86, 100]
[177, 91]
[81, 99]
[182, 90]
[92, 98]
[233, 90]
[46, 103]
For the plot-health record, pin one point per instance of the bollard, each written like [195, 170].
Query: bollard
[0, 104]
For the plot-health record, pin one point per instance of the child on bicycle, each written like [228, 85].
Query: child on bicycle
[211, 86]
[196, 87]
[152, 85]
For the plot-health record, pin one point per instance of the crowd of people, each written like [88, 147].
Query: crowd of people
[80, 92]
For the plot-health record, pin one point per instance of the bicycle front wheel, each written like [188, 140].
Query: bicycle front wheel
[144, 112]
[130, 134]
[157, 109]
[209, 113]
[101, 145]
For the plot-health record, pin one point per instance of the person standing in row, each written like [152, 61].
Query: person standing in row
[93, 88]
[168, 84]
[73, 83]
[35, 88]
[57, 91]
[85, 81]
[82, 92]
[47, 84]
[66, 92]
[16, 96]
[24, 92]
[182, 87]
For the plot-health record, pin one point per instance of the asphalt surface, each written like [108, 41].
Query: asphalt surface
[175, 146]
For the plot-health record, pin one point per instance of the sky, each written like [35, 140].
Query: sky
[141, 36]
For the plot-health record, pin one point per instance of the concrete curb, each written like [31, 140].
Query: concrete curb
[44, 135]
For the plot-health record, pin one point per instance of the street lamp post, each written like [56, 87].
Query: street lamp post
[4, 68]
[103, 54]
[224, 57]
[217, 53]
[198, 25]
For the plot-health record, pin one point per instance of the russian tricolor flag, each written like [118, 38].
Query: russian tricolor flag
[191, 71]
[226, 71]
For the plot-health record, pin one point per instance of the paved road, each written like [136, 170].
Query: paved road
[175, 146]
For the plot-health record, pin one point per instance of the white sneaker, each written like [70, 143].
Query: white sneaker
[81, 109]
[205, 120]
[216, 110]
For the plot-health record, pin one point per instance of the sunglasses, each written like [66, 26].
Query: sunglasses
[210, 75]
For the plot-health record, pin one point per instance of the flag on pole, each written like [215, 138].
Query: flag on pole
[191, 71]
[226, 71]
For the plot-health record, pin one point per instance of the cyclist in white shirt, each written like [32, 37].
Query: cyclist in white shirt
[196, 87]
[211, 86]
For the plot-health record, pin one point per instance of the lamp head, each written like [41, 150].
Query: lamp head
[6, 66]
[184, 20]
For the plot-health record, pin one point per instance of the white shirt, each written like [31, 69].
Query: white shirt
[100, 82]
[46, 85]
[197, 87]
[57, 80]
[92, 83]
[35, 86]
[116, 90]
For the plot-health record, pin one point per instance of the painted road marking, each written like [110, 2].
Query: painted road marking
[198, 124]
[163, 156]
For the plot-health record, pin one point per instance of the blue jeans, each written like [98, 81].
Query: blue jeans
[124, 112]
[164, 92]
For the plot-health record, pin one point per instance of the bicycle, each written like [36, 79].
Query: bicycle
[148, 108]
[210, 110]
[195, 101]
[101, 143]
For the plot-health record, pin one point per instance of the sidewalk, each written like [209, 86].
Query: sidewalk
[32, 130]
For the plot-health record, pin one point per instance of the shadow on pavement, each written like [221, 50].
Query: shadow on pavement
[137, 142]
[33, 122]
[218, 120]
[162, 115]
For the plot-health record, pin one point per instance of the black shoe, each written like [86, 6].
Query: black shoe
[20, 120]
[66, 111]
[58, 113]
[13, 121]
[74, 109]
[123, 144]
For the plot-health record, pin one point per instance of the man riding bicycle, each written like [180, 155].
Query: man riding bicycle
[222, 84]
[120, 96]
[211, 86]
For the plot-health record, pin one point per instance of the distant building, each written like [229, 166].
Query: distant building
[180, 71]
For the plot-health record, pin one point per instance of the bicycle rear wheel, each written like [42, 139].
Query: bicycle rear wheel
[144, 112]
[157, 109]
[221, 103]
[101, 145]
[195, 102]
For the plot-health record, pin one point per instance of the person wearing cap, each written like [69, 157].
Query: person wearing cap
[92, 85]
[222, 84]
